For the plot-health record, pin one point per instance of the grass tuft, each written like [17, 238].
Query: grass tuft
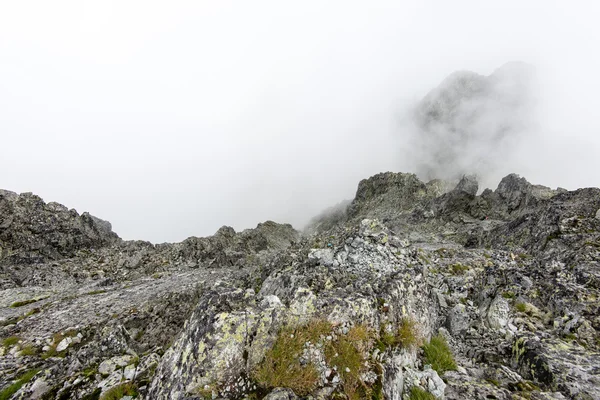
[521, 307]
[10, 341]
[459, 269]
[407, 336]
[117, 392]
[29, 350]
[349, 353]
[438, 354]
[14, 388]
[23, 303]
[281, 366]
[416, 393]
[93, 292]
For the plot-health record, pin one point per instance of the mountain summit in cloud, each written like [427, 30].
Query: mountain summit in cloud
[470, 123]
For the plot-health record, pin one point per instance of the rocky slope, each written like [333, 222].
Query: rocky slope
[409, 291]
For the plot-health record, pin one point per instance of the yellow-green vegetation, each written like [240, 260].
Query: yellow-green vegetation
[10, 341]
[90, 371]
[14, 388]
[349, 353]
[28, 314]
[416, 393]
[206, 392]
[29, 350]
[459, 269]
[508, 294]
[281, 366]
[93, 292]
[438, 354]
[521, 307]
[406, 336]
[56, 339]
[23, 303]
[493, 381]
[117, 392]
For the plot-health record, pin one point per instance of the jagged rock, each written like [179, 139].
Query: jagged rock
[458, 320]
[498, 313]
[38, 389]
[513, 274]
[428, 380]
[281, 394]
[468, 184]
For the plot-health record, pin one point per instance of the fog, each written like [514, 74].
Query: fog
[171, 119]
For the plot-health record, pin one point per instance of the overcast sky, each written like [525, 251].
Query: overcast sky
[171, 119]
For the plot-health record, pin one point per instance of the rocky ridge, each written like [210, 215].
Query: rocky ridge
[359, 306]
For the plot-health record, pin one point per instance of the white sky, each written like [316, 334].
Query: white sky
[171, 119]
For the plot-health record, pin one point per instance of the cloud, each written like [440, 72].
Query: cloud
[170, 120]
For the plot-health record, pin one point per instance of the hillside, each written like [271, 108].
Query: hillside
[361, 305]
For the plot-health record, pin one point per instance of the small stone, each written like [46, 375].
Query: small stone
[38, 389]
[64, 344]
[129, 372]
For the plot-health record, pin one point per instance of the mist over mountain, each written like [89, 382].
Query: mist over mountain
[471, 124]
[311, 200]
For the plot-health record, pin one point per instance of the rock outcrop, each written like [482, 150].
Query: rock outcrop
[411, 289]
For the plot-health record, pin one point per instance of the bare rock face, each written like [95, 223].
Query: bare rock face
[503, 284]
[32, 231]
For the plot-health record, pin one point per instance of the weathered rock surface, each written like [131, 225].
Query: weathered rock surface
[510, 278]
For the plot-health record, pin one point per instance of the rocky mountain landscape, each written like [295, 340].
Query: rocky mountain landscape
[407, 292]
[414, 289]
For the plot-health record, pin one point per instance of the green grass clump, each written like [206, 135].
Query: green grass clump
[438, 354]
[23, 303]
[407, 336]
[10, 341]
[117, 392]
[521, 307]
[90, 371]
[416, 393]
[508, 294]
[29, 350]
[206, 392]
[14, 388]
[348, 353]
[281, 366]
[93, 292]
[459, 269]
